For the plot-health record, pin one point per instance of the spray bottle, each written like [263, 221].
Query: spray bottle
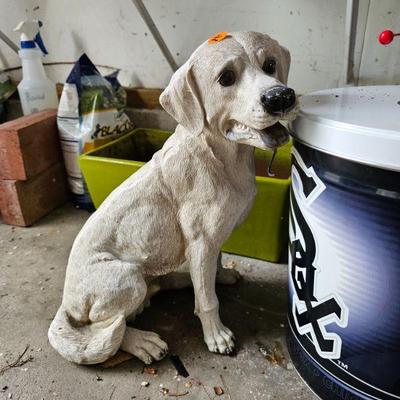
[36, 90]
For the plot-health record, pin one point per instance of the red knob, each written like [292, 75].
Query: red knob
[386, 37]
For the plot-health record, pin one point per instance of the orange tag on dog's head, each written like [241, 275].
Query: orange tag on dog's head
[217, 37]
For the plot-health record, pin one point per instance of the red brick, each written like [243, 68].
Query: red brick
[24, 202]
[29, 145]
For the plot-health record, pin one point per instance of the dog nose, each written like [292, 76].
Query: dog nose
[278, 99]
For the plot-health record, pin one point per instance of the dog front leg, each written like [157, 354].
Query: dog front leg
[203, 269]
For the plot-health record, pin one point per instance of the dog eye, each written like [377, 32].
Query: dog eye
[269, 66]
[227, 78]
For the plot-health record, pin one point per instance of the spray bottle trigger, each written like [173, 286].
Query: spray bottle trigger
[39, 41]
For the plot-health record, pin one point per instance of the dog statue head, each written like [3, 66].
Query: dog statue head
[234, 84]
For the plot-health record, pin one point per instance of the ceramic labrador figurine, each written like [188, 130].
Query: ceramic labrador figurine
[165, 225]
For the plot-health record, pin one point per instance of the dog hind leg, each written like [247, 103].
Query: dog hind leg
[132, 291]
[90, 328]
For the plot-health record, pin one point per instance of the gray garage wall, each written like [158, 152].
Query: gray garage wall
[113, 34]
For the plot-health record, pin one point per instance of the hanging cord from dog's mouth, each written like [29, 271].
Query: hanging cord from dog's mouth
[269, 170]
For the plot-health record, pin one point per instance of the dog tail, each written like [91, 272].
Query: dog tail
[90, 343]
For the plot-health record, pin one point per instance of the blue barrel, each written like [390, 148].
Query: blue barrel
[344, 258]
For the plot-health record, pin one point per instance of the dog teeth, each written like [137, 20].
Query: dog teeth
[243, 127]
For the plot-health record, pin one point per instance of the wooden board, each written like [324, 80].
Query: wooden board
[136, 97]
[143, 98]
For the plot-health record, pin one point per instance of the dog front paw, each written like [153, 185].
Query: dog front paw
[218, 338]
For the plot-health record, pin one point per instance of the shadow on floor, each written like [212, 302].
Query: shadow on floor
[251, 310]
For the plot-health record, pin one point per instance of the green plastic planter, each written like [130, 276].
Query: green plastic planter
[264, 233]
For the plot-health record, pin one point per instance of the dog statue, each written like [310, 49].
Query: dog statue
[165, 225]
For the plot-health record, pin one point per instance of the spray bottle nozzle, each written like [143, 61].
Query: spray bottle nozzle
[30, 35]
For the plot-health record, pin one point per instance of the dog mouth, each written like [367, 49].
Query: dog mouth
[268, 138]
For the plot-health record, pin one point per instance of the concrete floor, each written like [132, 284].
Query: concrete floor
[32, 269]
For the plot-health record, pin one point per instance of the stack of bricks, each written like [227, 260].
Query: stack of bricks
[32, 175]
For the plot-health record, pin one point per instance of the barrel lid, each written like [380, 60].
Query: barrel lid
[357, 123]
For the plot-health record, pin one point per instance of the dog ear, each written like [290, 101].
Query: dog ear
[180, 100]
[284, 65]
